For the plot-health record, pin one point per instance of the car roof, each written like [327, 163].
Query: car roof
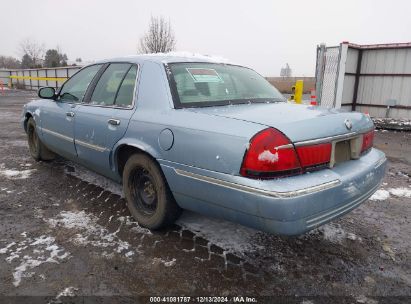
[168, 58]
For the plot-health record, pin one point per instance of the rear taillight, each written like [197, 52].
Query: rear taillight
[270, 154]
[314, 156]
[367, 141]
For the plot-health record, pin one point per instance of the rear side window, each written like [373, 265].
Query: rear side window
[107, 87]
[74, 89]
[125, 93]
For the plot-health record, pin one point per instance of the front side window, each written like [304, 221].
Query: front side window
[105, 92]
[75, 88]
[207, 84]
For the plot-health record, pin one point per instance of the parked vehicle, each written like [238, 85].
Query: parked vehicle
[215, 138]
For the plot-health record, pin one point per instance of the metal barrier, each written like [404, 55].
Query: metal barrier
[34, 79]
[374, 79]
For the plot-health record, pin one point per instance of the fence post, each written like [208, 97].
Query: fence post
[319, 71]
[55, 75]
[339, 82]
[357, 81]
[31, 85]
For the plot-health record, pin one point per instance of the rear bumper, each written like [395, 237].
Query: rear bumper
[288, 206]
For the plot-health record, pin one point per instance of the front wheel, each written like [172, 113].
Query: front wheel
[37, 149]
[149, 198]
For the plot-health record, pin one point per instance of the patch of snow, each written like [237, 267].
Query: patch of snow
[7, 191]
[268, 156]
[29, 261]
[95, 179]
[164, 262]
[190, 55]
[392, 121]
[400, 192]
[129, 254]
[67, 292]
[12, 257]
[15, 174]
[332, 232]
[21, 271]
[5, 249]
[170, 263]
[352, 236]
[380, 195]
[230, 236]
[90, 233]
[129, 221]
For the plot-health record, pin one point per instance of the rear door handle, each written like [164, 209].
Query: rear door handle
[114, 122]
[70, 114]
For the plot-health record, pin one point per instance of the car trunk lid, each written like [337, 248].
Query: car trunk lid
[298, 122]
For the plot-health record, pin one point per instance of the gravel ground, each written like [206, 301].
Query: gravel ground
[65, 231]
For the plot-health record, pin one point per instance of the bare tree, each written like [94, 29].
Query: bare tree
[7, 62]
[32, 49]
[159, 37]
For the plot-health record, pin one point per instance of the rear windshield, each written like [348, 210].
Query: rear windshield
[209, 84]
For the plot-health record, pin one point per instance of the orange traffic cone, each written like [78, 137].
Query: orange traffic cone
[313, 101]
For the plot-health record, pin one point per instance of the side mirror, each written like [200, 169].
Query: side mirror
[47, 93]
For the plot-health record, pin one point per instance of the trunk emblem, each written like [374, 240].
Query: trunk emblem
[348, 124]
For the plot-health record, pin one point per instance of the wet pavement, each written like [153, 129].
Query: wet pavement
[66, 231]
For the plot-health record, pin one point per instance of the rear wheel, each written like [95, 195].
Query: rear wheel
[37, 149]
[149, 198]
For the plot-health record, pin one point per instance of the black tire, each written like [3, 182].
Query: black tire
[148, 196]
[37, 149]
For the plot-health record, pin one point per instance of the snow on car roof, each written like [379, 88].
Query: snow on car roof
[171, 57]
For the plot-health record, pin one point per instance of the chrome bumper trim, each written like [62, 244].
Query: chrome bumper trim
[59, 135]
[331, 138]
[252, 190]
[91, 146]
[327, 139]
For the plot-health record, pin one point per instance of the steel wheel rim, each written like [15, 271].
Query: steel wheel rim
[143, 191]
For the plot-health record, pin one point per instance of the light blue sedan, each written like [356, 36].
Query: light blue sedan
[215, 138]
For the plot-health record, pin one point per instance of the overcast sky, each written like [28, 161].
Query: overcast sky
[262, 34]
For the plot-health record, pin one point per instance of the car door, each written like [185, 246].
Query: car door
[58, 115]
[103, 119]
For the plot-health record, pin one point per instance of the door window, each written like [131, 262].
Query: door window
[75, 88]
[125, 93]
[107, 87]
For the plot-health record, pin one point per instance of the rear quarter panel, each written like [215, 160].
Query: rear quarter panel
[197, 140]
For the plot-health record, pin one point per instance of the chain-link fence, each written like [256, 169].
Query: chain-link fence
[328, 60]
